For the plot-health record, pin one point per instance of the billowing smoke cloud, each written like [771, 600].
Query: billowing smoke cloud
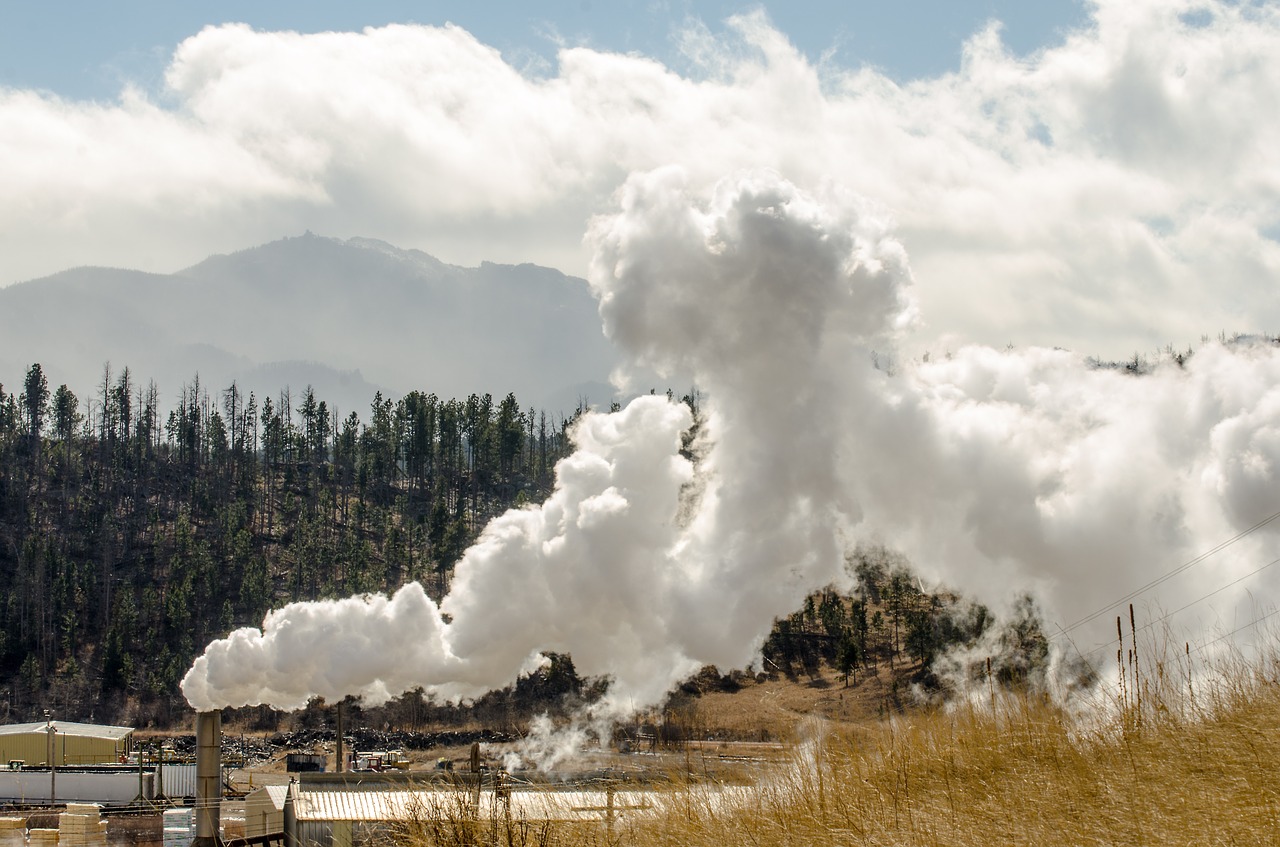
[996, 472]
[641, 568]
[1026, 468]
[588, 571]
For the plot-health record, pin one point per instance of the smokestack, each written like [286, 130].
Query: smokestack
[339, 768]
[208, 778]
[290, 816]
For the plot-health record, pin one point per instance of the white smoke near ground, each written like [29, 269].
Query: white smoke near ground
[585, 573]
[998, 473]
[548, 745]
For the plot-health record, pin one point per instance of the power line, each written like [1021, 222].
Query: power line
[1201, 599]
[1238, 629]
[1212, 593]
[1170, 575]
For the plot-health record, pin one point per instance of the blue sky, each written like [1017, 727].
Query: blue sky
[89, 50]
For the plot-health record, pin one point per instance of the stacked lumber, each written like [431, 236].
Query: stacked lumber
[231, 819]
[42, 837]
[82, 825]
[179, 827]
[13, 832]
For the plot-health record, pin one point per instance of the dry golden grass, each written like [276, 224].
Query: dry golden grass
[773, 707]
[1184, 763]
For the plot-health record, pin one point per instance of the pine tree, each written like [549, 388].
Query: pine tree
[35, 402]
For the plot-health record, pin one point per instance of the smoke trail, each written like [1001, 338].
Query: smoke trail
[584, 572]
[997, 472]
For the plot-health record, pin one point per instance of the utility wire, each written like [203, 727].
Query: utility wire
[1238, 629]
[1170, 575]
[1166, 617]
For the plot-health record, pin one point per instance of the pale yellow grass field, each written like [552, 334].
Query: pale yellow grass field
[1165, 768]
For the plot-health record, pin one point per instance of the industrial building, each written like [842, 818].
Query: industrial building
[71, 744]
[87, 766]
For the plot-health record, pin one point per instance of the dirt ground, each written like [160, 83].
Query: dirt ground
[778, 707]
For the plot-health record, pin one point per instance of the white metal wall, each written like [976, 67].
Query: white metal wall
[116, 789]
[177, 780]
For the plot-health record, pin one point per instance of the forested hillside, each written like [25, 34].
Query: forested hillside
[132, 534]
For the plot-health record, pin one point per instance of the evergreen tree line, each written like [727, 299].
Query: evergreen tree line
[889, 619]
[132, 534]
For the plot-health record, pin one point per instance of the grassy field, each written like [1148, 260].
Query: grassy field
[1182, 756]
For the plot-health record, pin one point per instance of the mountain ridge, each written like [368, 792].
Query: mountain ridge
[383, 318]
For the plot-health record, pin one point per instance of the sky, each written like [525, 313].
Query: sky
[1097, 176]
[131, 43]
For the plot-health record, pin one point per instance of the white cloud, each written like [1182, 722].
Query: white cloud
[1109, 193]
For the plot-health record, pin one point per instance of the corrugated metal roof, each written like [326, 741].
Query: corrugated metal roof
[82, 730]
[378, 804]
[358, 804]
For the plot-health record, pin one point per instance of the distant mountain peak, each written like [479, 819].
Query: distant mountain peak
[332, 311]
[310, 247]
[418, 257]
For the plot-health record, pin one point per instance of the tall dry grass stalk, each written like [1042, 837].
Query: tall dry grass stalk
[1179, 755]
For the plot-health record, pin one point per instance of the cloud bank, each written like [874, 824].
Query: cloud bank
[1116, 191]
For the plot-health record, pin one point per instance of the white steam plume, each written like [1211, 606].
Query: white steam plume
[996, 472]
[765, 297]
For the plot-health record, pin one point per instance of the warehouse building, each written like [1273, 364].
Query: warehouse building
[72, 744]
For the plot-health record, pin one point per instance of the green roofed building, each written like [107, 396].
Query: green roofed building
[73, 744]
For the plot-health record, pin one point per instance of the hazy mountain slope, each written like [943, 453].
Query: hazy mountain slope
[348, 317]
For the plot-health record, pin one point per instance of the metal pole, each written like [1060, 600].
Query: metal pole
[609, 804]
[475, 772]
[53, 770]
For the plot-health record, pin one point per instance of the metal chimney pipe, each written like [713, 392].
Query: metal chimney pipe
[208, 778]
[290, 813]
[340, 751]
